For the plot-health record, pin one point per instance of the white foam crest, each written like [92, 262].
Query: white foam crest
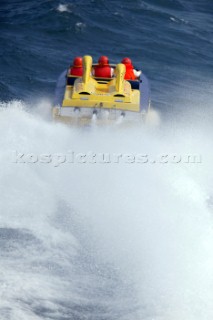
[149, 223]
[63, 8]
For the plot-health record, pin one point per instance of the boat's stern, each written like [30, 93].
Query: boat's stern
[86, 98]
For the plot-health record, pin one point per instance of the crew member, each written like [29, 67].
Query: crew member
[103, 69]
[131, 73]
[77, 67]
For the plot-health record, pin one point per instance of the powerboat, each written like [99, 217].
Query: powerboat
[80, 100]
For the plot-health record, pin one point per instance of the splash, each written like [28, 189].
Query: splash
[119, 240]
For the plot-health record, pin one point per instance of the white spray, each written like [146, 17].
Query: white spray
[131, 237]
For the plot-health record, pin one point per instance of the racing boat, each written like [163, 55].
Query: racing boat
[86, 98]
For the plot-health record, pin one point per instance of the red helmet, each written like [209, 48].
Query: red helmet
[77, 62]
[126, 61]
[103, 60]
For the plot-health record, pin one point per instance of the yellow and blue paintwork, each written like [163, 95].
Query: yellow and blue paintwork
[82, 97]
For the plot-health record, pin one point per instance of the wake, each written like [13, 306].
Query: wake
[105, 240]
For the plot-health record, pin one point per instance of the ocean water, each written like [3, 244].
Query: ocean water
[97, 240]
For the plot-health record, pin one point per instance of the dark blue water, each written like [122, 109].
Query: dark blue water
[99, 242]
[170, 40]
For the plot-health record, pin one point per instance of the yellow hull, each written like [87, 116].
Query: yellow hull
[104, 100]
